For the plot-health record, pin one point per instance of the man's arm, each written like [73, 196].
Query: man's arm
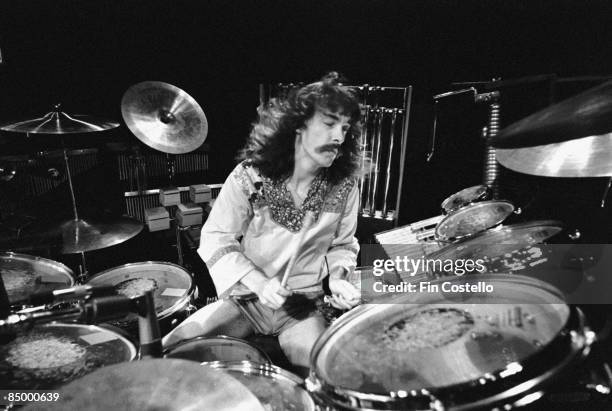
[342, 255]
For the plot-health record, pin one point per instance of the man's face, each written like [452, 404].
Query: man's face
[322, 136]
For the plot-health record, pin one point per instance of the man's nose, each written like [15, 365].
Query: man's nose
[338, 135]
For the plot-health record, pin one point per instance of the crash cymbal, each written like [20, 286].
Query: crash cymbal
[587, 114]
[58, 122]
[164, 117]
[76, 236]
[584, 157]
[167, 384]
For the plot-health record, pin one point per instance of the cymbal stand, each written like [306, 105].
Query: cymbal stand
[171, 167]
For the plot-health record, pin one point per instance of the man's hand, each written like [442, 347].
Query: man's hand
[272, 294]
[344, 294]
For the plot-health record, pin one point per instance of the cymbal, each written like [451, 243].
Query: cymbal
[156, 384]
[164, 117]
[58, 122]
[584, 157]
[76, 236]
[587, 114]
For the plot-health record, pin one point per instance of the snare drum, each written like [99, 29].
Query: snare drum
[24, 275]
[53, 354]
[472, 219]
[464, 197]
[275, 388]
[217, 349]
[460, 351]
[172, 287]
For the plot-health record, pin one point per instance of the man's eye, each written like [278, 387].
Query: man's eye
[329, 124]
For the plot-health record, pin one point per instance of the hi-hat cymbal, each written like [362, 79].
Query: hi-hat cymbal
[587, 114]
[77, 236]
[164, 117]
[58, 122]
[167, 384]
[584, 157]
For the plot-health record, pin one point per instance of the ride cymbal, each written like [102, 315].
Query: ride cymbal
[164, 117]
[587, 114]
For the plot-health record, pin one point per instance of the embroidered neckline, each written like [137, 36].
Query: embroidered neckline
[283, 208]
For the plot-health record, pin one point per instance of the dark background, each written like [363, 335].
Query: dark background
[85, 54]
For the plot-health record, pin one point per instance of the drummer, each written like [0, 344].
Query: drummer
[302, 156]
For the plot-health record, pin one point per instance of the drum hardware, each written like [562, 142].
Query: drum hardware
[50, 355]
[374, 358]
[137, 202]
[155, 384]
[465, 197]
[164, 117]
[172, 287]
[472, 219]
[77, 235]
[276, 388]
[219, 349]
[91, 310]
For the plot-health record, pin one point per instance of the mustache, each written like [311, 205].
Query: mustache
[329, 147]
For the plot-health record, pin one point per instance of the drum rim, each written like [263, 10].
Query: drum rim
[265, 370]
[180, 303]
[441, 238]
[572, 337]
[509, 227]
[222, 337]
[485, 193]
[96, 328]
[62, 266]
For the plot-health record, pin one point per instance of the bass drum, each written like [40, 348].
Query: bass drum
[217, 349]
[275, 388]
[172, 286]
[456, 351]
[51, 355]
[24, 275]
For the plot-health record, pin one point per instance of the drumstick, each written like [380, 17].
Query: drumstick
[308, 218]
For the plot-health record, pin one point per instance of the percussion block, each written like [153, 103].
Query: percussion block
[157, 219]
[169, 196]
[188, 214]
[200, 193]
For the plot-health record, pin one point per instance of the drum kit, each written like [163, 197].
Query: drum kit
[496, 350]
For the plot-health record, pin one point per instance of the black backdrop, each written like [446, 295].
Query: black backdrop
[87, 53]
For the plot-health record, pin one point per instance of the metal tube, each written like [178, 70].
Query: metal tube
[377, 148]
[69, 176]
[389, 160]
[405, 123]
[364, 148]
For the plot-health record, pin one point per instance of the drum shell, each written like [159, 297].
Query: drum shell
[270, 372]
[538, 371]
[500, 207]
[169, 317]
[45, 266]
[217, 349]
[102, 348]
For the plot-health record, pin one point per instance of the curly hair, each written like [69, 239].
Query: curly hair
[271, 143]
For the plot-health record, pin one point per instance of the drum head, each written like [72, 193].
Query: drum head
[170, 283]
[473, 219]
[50, 355]
[465, 197]
[502, 249]
[219, 348]
[275, 388]
[423, 341]
[24, 275]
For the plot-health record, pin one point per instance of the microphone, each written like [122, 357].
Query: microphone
[73, 293]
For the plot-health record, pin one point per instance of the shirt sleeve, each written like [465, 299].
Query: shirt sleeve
[342, 255]
[220, 240]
